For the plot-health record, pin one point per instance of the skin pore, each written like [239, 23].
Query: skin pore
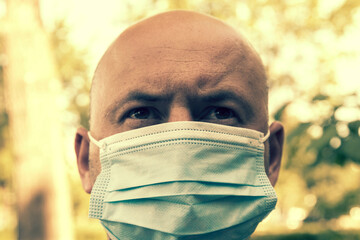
[177, 66]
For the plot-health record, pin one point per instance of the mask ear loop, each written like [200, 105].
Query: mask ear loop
[94, 141]
[265, 137]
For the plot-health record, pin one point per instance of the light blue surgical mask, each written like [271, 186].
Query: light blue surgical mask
[182, 180]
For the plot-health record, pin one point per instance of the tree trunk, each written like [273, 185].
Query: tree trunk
[32, 88]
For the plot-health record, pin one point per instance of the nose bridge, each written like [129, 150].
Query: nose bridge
[179, 113]
[180, 106]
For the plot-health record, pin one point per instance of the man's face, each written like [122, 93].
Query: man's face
[175, 69]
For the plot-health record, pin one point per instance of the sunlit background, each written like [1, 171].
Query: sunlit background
[311, 49]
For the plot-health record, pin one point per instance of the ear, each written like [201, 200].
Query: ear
[82, 157]
[276, 141]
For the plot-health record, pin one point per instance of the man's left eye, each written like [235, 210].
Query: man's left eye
[217, 113]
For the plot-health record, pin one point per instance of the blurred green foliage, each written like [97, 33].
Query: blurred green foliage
[321, 158]
[74, 73]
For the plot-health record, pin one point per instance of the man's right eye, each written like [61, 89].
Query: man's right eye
[143, 113]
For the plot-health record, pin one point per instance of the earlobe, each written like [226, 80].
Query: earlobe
[276, 141]
[82, 157]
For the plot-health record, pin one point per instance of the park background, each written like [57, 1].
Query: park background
[48, 53]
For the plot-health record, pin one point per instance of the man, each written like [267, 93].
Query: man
[178, 120]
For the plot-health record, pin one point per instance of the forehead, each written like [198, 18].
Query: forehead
[167, 65]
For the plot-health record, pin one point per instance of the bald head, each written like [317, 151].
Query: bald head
[165, 38]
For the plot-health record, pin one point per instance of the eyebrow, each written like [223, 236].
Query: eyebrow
[225, 95]
[135, 96]
[143, 97]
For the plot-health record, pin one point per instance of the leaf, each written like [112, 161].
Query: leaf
[280, 111]
[320, 97]
[350, 148]
[354, 126]
[300, 130]
[328, 133]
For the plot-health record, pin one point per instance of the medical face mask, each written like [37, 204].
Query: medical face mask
[182, 180]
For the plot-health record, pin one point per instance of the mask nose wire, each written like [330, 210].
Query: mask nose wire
[93, 140]
[97, 143]
[265, 137]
